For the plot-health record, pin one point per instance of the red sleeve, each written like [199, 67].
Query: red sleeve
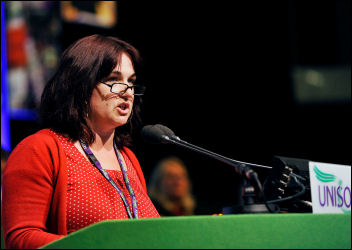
[28, 182]
[137, 166]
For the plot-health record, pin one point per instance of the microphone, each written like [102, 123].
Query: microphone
[153, 134]
[161, 134]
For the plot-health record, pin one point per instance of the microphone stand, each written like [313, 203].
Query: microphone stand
[249, 184]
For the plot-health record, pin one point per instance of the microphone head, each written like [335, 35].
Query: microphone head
[153, 134]
[165, 129]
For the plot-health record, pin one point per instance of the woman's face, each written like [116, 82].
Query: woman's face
[174, 182]
[110, 110]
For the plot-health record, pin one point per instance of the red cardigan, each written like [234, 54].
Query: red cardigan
[34, 191]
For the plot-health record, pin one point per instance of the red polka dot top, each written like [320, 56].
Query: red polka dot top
[91, 197]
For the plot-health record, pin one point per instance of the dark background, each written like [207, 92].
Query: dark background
[218, 74]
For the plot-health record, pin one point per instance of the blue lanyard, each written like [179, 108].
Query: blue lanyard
[97, 164]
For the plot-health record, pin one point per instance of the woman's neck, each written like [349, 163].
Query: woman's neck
[104, 139]
[104, 136]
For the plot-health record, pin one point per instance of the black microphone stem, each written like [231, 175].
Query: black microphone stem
[239, 162]
[239, 165]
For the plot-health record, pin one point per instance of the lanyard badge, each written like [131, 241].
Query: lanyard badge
[97, 164]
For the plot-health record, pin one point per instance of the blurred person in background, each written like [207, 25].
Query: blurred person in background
[78, 170]
[170, 188]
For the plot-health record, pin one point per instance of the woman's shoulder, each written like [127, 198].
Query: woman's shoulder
[43, 136]
[43, 141]
[40, 151]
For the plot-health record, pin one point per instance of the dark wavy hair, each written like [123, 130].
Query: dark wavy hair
[66, 97]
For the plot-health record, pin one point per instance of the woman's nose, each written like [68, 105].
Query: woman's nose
[129, 93]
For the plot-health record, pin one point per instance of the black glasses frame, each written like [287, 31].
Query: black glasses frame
[127, 87]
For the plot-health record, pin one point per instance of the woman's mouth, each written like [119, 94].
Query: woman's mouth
[123, 108]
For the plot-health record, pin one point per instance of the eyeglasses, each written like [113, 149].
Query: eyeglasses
[121, 88]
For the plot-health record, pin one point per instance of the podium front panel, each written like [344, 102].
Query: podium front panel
[226, 231]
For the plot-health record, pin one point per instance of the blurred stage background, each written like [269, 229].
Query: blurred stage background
[245, 79]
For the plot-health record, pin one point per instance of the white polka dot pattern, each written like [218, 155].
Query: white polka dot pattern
[91, 198]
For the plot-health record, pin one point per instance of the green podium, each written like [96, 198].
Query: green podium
[227, 231]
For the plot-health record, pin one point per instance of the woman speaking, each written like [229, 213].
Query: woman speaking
[78, 170]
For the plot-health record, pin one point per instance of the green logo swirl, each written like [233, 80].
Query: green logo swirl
[323, 177]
